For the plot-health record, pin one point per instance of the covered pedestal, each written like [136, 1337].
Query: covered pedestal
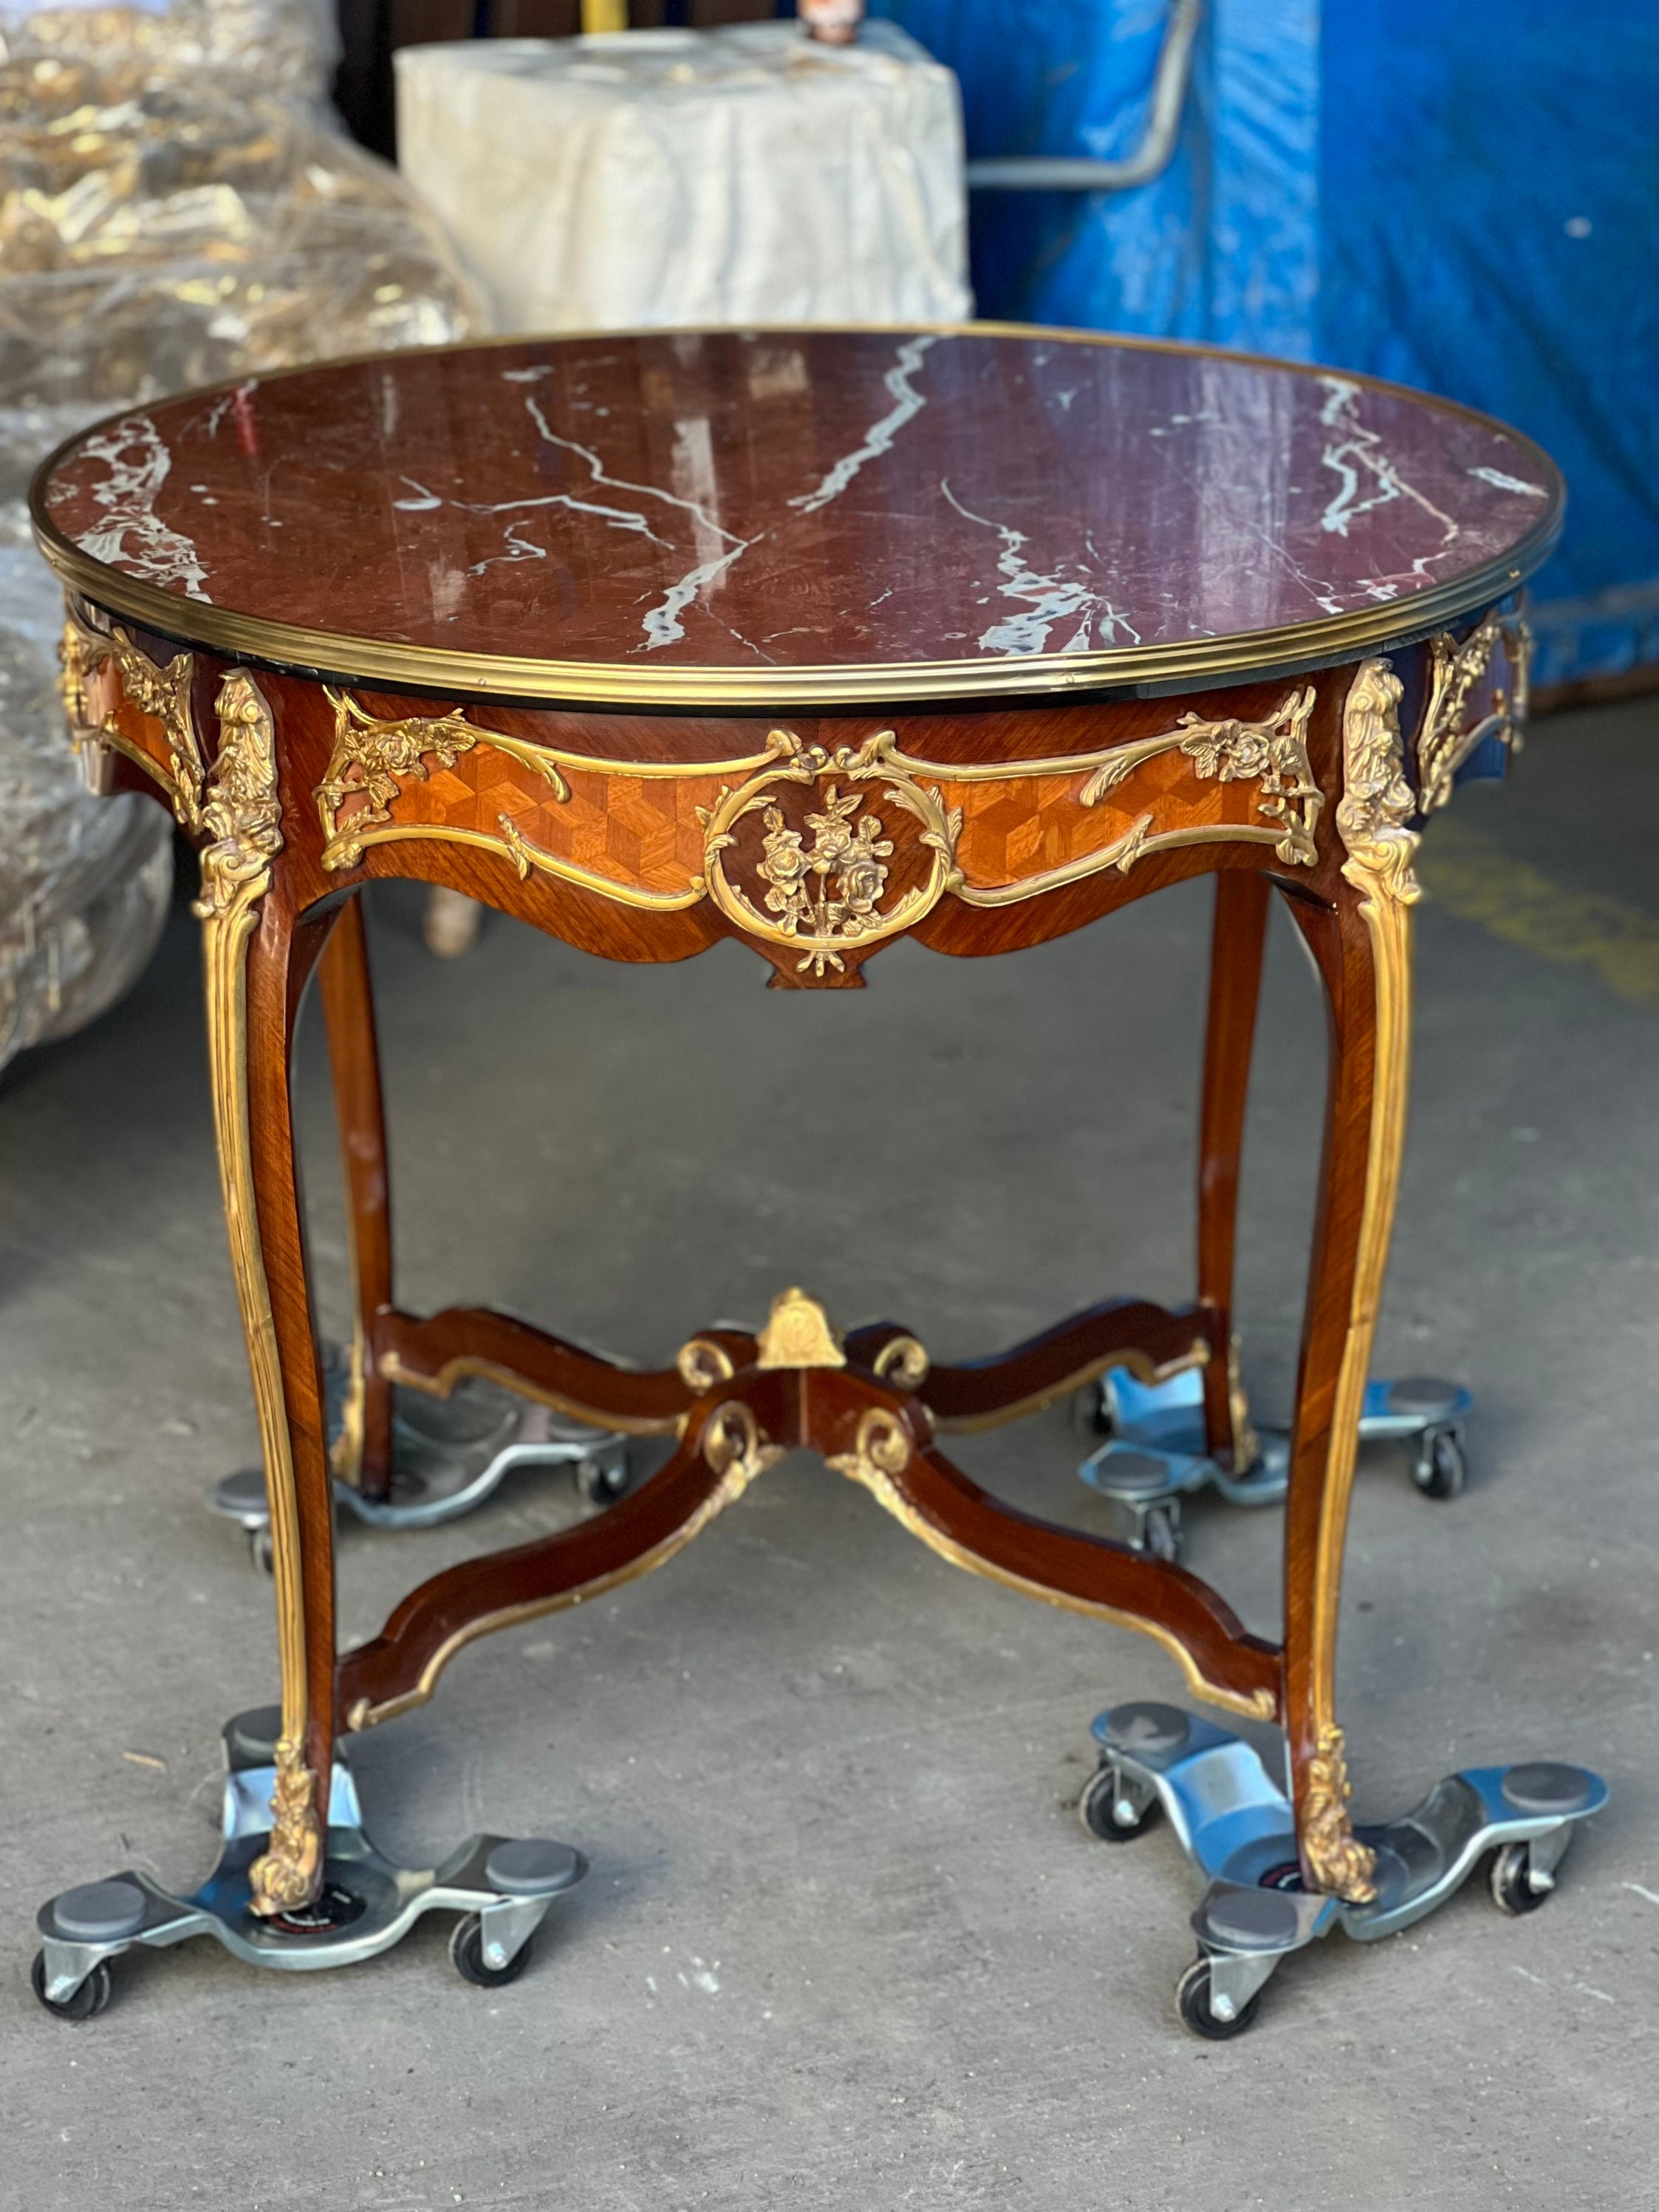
[744, 175]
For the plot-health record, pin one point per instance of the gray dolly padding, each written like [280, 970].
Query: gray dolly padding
[1545, 1787]
[1146, 1727]
[1136, 1472]
[1423, 1395]
[532, 1866]
[1251, 1919]
[99, 1912]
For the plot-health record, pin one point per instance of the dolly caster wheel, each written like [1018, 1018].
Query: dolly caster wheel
[1160, 1533]
[1441, 1467]
[1104, 1803]
[466, 1954]
[1195, 2001]
[87, 2001]
[1513, 1890]
[1091, 1412]
[604, 1477]
[262, 1550]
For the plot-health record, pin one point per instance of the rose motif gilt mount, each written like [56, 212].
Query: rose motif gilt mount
[799, 856]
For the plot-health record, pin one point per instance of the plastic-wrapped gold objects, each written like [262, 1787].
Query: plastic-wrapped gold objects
[164, 224]
[177, 206]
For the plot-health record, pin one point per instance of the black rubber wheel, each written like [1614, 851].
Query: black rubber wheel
[603, 1480]
[466, 1955]
[1443, 1469]
[88, 2000]
[1089, 1411]
[1512, 1892]
[262, 1550]
[1160, 1533]
[1097, 1809]
[1193, 2003]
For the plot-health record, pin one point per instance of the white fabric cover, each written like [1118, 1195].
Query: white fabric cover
[646, 178]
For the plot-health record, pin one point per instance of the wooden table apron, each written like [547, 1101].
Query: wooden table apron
[817, 841]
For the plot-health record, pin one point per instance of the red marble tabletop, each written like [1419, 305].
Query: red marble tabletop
[776, 515]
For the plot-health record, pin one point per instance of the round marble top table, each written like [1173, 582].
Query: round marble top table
[813, 518]
[816, 640]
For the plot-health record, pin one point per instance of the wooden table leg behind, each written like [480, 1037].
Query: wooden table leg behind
[256, 961]
[1241, 920]
[1361, 943]
[363, 1454]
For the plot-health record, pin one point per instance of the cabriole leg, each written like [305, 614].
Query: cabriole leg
[362, 1454]
[256, 965]
[1240, 932]
[1361, 945]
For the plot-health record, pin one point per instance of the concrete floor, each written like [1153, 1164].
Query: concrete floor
[844, 1944]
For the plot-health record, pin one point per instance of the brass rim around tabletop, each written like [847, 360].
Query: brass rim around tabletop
[1249, 656]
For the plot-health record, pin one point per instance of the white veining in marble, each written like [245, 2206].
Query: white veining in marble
[596, 470]
[518, 547]
[426, 501]
[696, 482]
[1115, 628]
[1352, 455]
[662, 624]
[696, 490]
[618, 517]
[1501, 483]
[720, 546]
[1360, 451]
[1177, 423]
[238, 397]
[131, 536]
[749, 644]
[878, 438]
[1051, 599]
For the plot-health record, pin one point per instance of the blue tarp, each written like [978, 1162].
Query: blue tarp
[1463, 197]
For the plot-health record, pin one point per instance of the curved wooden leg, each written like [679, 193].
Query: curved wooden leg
[1361, 944]
[255, 962]
[1240, 933]
[298, 1477]
[363, 1453]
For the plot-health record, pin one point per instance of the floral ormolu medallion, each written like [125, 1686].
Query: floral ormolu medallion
[827, 872]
